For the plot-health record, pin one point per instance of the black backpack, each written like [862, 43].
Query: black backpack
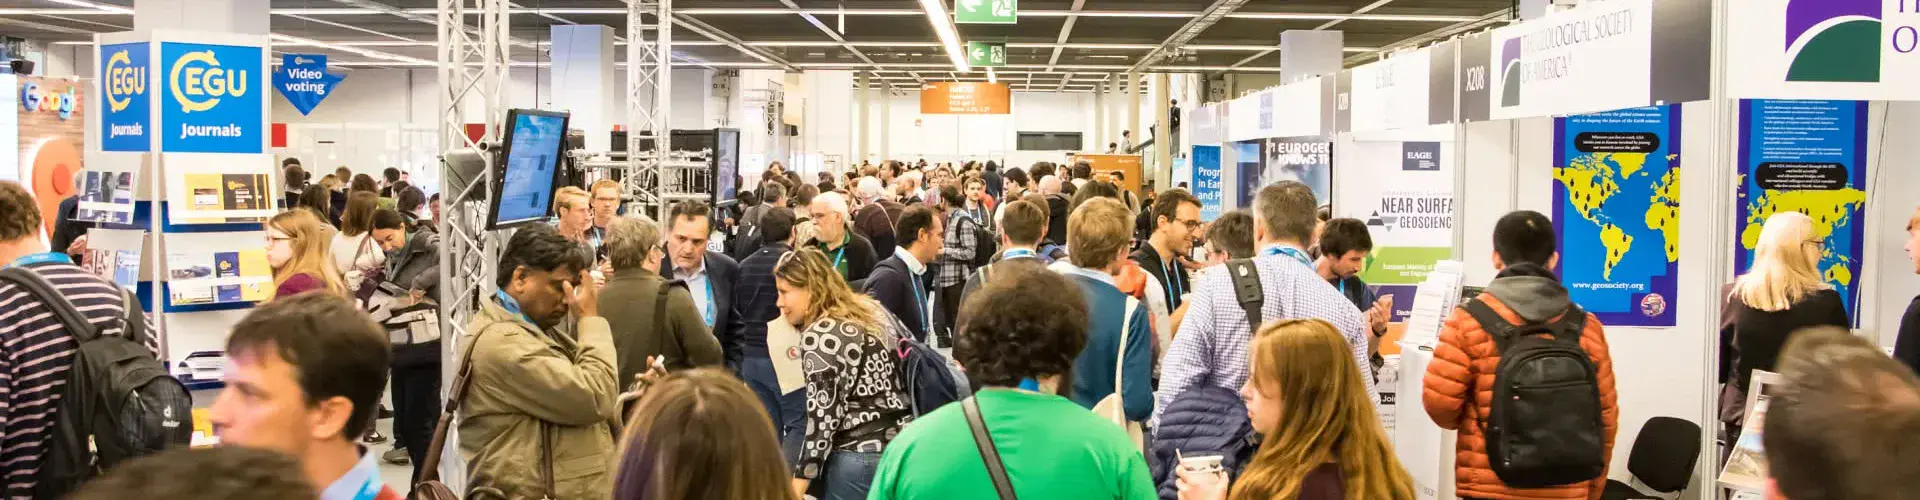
[119, 399]
[1545, 427]
[927, 376]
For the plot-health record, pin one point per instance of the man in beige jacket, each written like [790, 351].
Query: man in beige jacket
[537, 417]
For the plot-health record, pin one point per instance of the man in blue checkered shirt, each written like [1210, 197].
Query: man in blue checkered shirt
[956, 260]
[1211, 345]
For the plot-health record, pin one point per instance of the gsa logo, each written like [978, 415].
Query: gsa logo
[1510, 73]
[1838, 40]
[126, 105]
[209, 99]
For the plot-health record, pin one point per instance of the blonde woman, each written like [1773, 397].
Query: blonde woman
[1780, 294]
[855, 404]
[297, 250]
[1322, 439]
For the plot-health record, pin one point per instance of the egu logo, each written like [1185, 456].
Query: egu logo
[1510, 73]
[198, 82]
[1836, 40]
[124, 81]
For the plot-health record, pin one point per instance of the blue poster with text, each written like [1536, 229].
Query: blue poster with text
[1206, 181]
[1616, 213]
[128, 107]
[1808, 157]
[303, 79]
[209, 100]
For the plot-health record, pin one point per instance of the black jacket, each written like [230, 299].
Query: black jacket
[895, 287]
[68, 226]
[876, 224]
[755, 302]
[1175, 284]
[723, 272]
[1906, 347]
[860, 256]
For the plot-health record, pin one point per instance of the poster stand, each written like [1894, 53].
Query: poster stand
[186, 114]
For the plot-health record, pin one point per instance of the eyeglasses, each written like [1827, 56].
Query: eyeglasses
[1191, 224]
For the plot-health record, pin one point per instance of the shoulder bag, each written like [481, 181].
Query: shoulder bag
[1113, 407]
[428, 486]
[988, 452]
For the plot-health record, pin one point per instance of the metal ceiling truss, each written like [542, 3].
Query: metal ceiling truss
[1194, 27]
[649, 104]
[473, 70]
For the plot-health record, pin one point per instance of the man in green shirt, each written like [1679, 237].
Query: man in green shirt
[1029, 324]
[852, 254]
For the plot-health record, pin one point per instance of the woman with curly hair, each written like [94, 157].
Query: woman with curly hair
[1017, 338]
[855, 403]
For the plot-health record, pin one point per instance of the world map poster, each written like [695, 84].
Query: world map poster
[1616, 212]
[1809, 157]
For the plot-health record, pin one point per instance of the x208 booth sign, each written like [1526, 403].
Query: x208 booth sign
[128, 110]
[211, 98]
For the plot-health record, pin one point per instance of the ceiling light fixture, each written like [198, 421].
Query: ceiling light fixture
[95, 5]
[936, 11]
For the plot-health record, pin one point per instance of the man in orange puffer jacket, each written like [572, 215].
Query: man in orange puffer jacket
[1460, 381]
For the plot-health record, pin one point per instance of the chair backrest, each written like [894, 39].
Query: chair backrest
[1664, 453]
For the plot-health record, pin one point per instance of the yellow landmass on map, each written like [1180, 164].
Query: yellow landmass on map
[1589, 183]
[1829, 209]
[1617, 242]
[1663, 214]
[1629, 162]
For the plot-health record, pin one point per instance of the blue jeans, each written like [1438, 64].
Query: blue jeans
[787, 411]
[849, 475]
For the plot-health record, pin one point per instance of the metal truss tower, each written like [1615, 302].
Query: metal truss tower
[649, 102]
[473, 42]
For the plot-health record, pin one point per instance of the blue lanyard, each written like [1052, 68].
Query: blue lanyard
[707, 313]
[1297, 255]
[1343, 286]
[842, 253]
[512, 306]
[1016, 253]
[1172, 277]
[920, 304]
[41, 258]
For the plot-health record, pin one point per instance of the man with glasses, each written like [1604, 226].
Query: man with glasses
[650, 316]
[604, 203]
[709, 275]
[851, 254]
[1176, 219]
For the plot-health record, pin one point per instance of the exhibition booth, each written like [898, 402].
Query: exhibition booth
[1587, 115]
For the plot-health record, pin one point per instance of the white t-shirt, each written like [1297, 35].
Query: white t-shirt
[369, 257]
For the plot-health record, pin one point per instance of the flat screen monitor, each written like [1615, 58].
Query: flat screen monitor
[529, 167]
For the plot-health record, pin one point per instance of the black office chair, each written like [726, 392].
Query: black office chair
[1662, 459]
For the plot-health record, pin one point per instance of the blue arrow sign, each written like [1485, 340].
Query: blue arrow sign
[304, 80]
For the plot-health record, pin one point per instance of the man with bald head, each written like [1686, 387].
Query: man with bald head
[877, 213]
[849, 252]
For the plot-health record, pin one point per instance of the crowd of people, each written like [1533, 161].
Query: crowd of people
[1100, 343]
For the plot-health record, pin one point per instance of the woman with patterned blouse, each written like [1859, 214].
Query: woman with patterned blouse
[855, 402]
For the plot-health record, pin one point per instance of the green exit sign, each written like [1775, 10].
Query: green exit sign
[986, 54]
[986, 11]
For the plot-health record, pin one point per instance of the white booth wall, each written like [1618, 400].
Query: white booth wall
[962, 137]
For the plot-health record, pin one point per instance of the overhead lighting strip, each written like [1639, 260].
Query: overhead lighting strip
[943, 28]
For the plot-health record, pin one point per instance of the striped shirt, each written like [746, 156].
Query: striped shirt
[36, 352]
